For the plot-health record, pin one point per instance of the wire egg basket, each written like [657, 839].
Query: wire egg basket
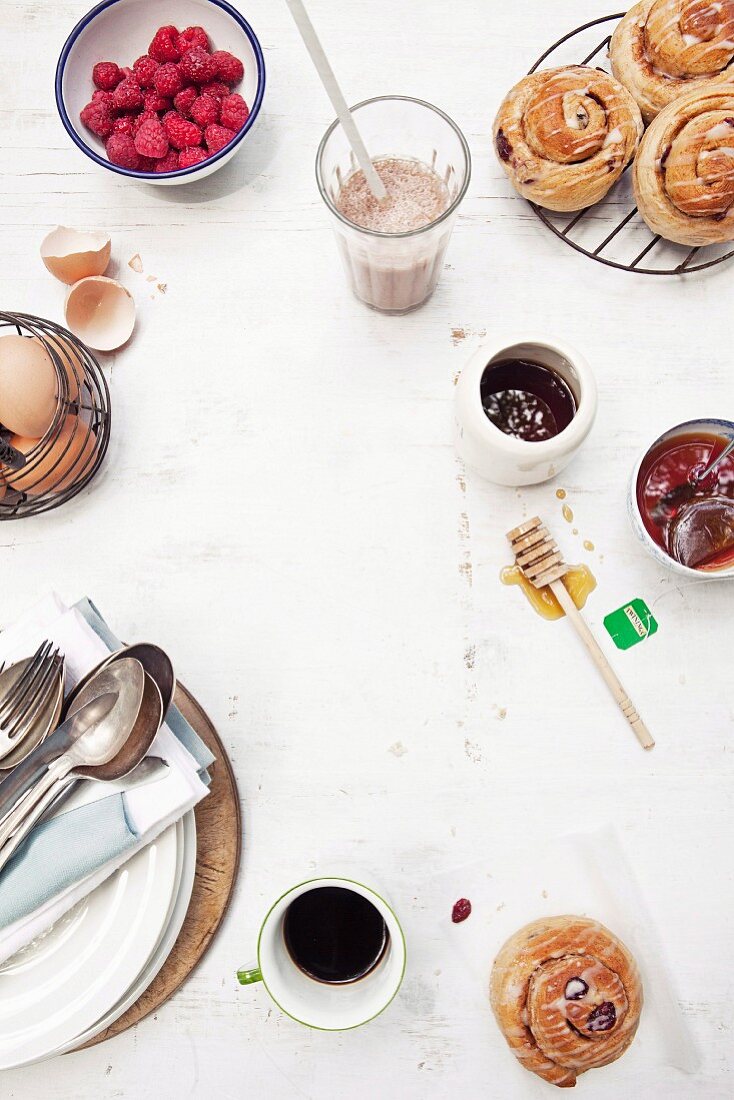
[39, 475]
[613, 232]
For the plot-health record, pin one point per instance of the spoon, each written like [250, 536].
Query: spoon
[98, 745]
[155, 662]
[683, 493]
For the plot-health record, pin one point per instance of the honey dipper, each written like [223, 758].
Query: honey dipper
[539, 558]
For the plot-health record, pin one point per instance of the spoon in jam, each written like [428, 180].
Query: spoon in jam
[681, 494]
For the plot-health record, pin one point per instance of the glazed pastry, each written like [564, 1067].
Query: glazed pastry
[564, 136]
[684, 172]
[567, 996]
[663, 48]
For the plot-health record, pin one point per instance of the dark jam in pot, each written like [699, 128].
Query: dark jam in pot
[526, 400]
[692, 522]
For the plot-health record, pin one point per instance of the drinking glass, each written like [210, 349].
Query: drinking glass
[395, 272]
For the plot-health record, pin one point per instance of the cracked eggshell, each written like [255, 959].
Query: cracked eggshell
[28, 386]
[100, 312]
[71, 254]
[60, 463]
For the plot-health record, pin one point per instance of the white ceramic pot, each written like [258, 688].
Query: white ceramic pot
[502, 458]
[318, 1004]
[705, 424]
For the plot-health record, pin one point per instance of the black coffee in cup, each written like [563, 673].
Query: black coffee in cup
[334, 934]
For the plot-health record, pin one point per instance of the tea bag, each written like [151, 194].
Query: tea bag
[702, 530]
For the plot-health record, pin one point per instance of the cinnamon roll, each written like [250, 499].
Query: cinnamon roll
[564, 136]
[567, 996]
[663, 48]
[684, 172]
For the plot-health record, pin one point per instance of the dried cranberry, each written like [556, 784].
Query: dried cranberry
[666, 153]
[729, 121]
[603, 1018]
[504, 149]
[461, 910]
[576, 988]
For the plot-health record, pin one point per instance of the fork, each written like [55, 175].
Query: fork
[25, 699]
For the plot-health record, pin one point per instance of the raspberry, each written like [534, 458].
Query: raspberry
[106, 75]
[215, 88]
[144, 70]
[127, 73]
[205, 110]
[193, 36]
[127, 96]
[97, 117]
[169, 163]
[228, 67]
[181, 133]
[461, 910]
[217, 137]
[184, 100]
[151, 139]
[198, 66]
[144, 116]
[121, 151]
[147, 164]
[154, 102]
[123, 124]
[102, 97]
[168, 81]
[163, 47]
[187, 158]
[235, 112]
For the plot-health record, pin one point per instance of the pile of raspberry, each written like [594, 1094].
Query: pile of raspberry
[174, 108]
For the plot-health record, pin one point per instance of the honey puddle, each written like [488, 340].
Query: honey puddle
[579, 581]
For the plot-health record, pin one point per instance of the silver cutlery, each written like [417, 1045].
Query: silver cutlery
[26, 689]
[85, 741]
[20, 781]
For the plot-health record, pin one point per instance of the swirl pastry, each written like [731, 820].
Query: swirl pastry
[567, 997]
[663, 48]
[564, 136]
[684, 172]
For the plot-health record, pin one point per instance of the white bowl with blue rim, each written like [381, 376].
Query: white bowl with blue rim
[711, 426]
[121, 31]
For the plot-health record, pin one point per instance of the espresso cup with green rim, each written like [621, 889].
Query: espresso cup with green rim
[331, 954]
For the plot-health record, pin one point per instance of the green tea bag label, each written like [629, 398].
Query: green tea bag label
[630, 624]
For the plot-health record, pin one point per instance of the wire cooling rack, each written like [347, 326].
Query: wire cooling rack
[612, 232]
[73, 449]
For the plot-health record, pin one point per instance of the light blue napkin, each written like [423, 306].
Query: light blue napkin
[61, 852]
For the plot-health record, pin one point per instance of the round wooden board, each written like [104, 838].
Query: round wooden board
[218, 847]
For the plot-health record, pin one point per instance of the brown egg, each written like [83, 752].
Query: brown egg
[57, 467]
[71, 254]
[3, 487]
[70, 359]
[28, 386]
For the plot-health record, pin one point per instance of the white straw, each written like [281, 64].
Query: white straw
[334, 92]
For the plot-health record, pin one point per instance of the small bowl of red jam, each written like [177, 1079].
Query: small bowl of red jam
[684, 519]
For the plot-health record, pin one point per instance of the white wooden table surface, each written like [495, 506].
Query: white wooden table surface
[282, 509]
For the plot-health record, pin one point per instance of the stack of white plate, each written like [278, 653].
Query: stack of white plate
[87, 970]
